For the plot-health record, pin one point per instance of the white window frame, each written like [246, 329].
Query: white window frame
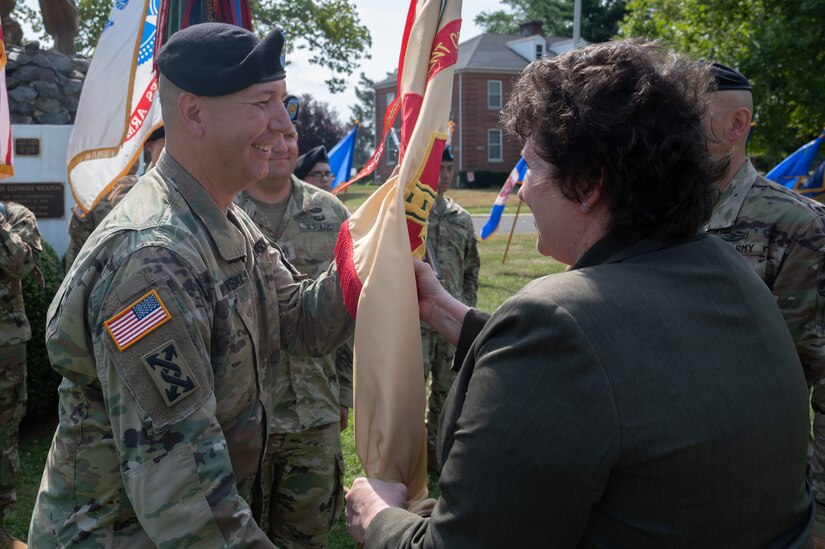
[391, 150]
[539, 51]
[500, 136]
[490, 95]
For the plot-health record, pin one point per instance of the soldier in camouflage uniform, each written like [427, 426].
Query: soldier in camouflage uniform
[781, 235]
[303, 468]
[451, 250]
[169, 324]
[80, 226]
[19, 249]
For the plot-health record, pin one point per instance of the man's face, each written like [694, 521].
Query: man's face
[445, 176]
[284, 156]
[244, 128]
[320, 176]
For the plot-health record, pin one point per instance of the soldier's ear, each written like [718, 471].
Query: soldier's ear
[190, 109]
[740, 124]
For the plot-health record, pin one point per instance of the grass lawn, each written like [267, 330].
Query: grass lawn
[497, 282]
[475, 201]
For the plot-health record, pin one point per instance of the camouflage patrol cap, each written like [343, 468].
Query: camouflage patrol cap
[726, 78]
[216, 59]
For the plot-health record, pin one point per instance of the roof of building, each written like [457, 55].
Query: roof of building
[489, 52]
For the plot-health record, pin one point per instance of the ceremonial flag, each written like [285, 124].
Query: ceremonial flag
[6, 160]
[515, 177]
[118, 107]
[375, 253]
[341, 157]
[794, 168]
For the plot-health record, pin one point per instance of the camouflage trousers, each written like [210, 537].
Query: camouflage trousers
[438, 361]
[303, 480]
[12, 410]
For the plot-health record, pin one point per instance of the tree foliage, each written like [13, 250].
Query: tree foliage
[363, 113]
[600, 18]
[778, 45]
[318, 124]
[330, 29]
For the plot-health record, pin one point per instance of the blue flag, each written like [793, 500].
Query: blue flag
[794, 168]
[515, 177]
[341, 157]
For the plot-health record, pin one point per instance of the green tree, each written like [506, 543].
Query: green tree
[363, 113]
[600, 18]
[778, 45]
[330, 29]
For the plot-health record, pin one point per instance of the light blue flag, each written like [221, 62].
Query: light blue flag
[341, 157]
[796, 166]
[516, 176]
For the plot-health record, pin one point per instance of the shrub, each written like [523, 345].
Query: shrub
[42, 379]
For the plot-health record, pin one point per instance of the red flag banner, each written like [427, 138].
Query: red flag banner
[6, 164]
[375, 254]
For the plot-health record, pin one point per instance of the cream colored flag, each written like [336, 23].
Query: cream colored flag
[375, 258]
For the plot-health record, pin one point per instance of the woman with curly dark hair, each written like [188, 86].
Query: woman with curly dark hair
[650, 396]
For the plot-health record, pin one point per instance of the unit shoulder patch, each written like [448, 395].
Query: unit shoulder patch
[170, 373]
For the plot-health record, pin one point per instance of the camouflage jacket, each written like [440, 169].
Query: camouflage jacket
[307, 392]
[19, 249]
[166, 331]
[81, 227]
[781, 235]
[453, 238]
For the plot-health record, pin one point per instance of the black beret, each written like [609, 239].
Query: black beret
[727, 78]
[306, 161]
[218, 59]
[159, 133]
[447, 155]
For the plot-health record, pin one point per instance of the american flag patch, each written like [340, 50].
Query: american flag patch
[137, 320]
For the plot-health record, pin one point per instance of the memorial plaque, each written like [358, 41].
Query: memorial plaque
[45, 200]
[27, 146]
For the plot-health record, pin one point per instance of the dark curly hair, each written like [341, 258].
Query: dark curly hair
[630, 112]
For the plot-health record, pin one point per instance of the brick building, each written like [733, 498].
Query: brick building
[484, 74]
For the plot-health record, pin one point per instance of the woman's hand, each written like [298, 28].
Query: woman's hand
[367, 498]
[436, 307]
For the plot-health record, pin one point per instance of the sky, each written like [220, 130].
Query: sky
[385, 21]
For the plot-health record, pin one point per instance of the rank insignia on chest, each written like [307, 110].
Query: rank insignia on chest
[137, 320]
[169, 372]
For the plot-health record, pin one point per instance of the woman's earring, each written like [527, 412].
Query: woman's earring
[585, 207]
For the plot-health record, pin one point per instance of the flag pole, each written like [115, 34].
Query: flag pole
[512, 230]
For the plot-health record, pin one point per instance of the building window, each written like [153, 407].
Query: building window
[390, 98]
[494, 94]
[391, 148]
[539, 51]
[494, 146]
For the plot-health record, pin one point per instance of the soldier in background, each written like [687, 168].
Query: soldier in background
[781, 235]
[313, 167]
[451, 250]
[303, 468]
[80, 226]
[19, 250]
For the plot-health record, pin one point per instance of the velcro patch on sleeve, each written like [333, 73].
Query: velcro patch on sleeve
[137, 320]
[170, 373]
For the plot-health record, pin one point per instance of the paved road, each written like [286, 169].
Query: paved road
[523, 226]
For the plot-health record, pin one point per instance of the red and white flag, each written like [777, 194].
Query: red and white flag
[6, 159]
[118, 106]
[375, 253]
